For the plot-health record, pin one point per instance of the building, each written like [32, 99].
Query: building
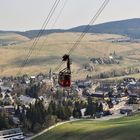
[106, 85]
[84, 84]
[12, 134]
[99, 95]
[8, 110]
[8, 99]
[25, 100]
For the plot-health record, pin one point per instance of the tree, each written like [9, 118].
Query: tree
[99, 107]
[17, 111]
[50, 120]
[36, 114]
[67, 112]
[77, 110]
[33, 91]
[3, 122]
[91, 107]
[52, 108]
[23, 115]
[60, 112]
[59, 95]
[77, 113]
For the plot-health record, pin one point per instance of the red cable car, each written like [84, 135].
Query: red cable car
[64, 77]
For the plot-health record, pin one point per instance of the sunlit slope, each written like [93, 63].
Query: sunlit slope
[49, 50]
[117, 129]
[8, 38]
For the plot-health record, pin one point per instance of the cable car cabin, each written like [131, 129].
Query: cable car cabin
[64, 77]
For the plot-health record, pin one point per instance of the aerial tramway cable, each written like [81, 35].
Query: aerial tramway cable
[54, 23]
[56, 3]
[86, 29]
[52, 27]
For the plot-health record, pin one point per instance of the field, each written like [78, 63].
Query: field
[117, 129]
[49, 50]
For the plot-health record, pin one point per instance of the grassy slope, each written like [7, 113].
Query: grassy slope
[58, 44]
[117, 129]
[5, 37]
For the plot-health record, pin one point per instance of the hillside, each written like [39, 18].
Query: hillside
[117, 129]
[130, 28]
[9, 38]
[34, 33]
[50, 49]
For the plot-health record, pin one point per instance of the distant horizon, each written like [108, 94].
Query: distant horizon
[27, 15]
[66, 28]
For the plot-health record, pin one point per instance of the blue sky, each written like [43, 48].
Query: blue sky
[30, 14]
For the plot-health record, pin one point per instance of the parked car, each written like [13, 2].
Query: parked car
[98, 114]
[107, 112]
[133, 101]
[124, 111]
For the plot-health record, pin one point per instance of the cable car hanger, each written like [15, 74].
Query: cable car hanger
[64, 77]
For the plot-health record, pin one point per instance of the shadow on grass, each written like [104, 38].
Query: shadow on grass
[47, 60]
[104, 131]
